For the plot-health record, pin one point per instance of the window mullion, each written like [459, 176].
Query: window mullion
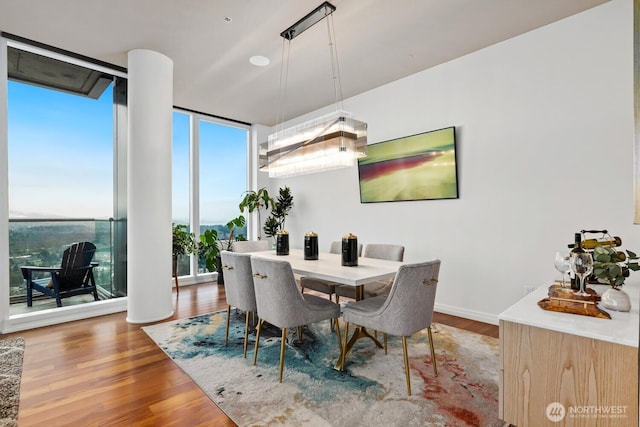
[194, 184]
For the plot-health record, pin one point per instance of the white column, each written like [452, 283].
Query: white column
[150, 104]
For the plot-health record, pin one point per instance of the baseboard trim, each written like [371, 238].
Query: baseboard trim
[54, 316]
[39, 319]
[479, 316]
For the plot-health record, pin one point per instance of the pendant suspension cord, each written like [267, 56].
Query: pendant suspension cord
[335, 66]
[284, 74]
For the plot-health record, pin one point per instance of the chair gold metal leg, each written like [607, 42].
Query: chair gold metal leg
[255, 351]
[332, 324]
[385, 343]
[226, 335]
[300, 334]
[246, 333]
[343, 350]
[337, 328]
[433, 352]
[282, 346]
[406, 364]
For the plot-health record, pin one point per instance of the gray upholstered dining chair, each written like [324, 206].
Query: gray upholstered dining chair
[406, 310]
[320, 285]
[382, 287]
[238, 285]
[244, 246]
[281, 303]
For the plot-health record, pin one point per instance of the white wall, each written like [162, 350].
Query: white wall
[545, 128]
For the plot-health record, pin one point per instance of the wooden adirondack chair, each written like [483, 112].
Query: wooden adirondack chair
[73, 277]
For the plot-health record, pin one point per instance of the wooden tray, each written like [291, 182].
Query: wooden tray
[568, 302]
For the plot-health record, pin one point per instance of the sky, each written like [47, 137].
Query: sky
[60, 153]
[61, 159]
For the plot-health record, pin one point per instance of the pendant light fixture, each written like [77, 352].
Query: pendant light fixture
[332, 141]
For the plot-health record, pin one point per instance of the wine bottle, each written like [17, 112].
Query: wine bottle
[577, 248]
[592, 243]
[609, 242]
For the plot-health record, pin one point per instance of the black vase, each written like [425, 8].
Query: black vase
[282, 243]
[311, 246]
[350, 250]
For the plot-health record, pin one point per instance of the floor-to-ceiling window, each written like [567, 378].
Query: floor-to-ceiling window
[62, 173]
[209, 177]
[181, 185]
[66, 150]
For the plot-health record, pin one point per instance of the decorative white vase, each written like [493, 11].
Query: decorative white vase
[616, 299]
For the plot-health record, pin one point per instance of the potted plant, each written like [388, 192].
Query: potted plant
[209, 249]
[184, 243]
[281, 208]
[271, 227]
[612, 267]
[255, 201]
[209, 246]
[239, 221]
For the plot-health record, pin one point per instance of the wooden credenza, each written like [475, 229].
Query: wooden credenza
[559, 369]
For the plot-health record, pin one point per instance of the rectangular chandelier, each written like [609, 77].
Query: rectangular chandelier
[325, 143]
[310, 19]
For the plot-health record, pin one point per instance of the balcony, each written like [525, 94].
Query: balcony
[41, 242]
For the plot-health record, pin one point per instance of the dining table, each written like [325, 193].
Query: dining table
[328, 266]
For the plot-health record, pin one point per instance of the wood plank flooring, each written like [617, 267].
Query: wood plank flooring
[106, 372]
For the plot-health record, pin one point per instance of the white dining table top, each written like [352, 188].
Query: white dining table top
[329, 266]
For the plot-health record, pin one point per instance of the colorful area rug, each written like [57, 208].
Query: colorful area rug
[11, 355]
[371, 390]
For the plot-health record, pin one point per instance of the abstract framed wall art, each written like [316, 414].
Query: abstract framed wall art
[416, 167]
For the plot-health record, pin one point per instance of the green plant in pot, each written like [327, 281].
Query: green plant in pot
[612, 267]
[256, 201]
[281, 208]
[209, 246]
[208, 249]
[271, 227]
[184, 243]
[238, 222]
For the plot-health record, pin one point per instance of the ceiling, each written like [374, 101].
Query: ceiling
[210, 42]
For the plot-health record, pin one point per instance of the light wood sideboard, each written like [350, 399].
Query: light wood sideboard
[559, 369]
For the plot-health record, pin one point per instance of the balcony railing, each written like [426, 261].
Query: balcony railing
[41, 242]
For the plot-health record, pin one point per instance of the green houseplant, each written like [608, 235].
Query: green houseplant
[208, 249]
[255, 201]
[281, 208]
[184, 243]
[238, 222]
[612, 267]
[209, 246]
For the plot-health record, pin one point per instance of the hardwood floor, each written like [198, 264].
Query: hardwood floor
[106, 372]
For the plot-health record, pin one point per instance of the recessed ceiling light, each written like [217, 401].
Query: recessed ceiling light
[259, 60]
[227, 19]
